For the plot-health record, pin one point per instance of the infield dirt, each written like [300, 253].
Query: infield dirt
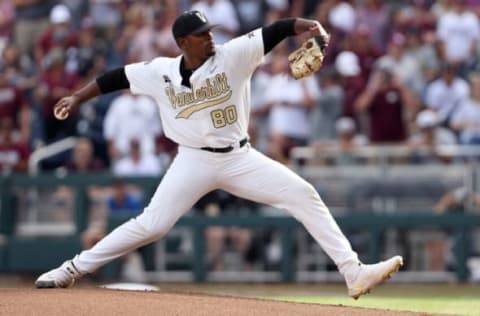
[81, 301]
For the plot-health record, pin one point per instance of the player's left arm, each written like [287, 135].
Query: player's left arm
[281, 29]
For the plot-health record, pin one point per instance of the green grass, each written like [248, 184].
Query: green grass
[450, 299]
[445, 298]
[463, 305]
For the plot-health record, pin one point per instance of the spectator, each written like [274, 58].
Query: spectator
[419, 17]
[429, 136]
[404, 66]
[123, 199]
[164, 42]
[222, 13]
[59, 35]
[120, 201]
[7, 17]
[13, 105]
[328, 106]
[338, 37]
[137, 163]
[219, 238]
[56, 83]
[346, 142]
[421, 47]
[107, 17]
[88, 57]
[78, 10]
[375, 16]
[288, 102]
[251, 14]
[140, 23]
[131, 117]
[342, 16]
[466, 119]
[458, 31]
[31, 20]
[13, 154]
[348, 66]
[18, 71]
[82, 159]
[458, 199]
[155, 38]
[389, 105]
[446, 93]
[360, 43]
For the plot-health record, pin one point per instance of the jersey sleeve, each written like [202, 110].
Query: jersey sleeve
[245, 53]
[143, 77]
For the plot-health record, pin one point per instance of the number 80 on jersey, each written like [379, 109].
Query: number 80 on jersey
[222, 117]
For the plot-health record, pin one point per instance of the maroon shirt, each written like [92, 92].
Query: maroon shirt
[64, 80]
[11, 101]
[52, 37]
[386, 117]
[352, 87]
[12, 154]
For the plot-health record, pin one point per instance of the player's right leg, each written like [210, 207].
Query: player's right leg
[188, 178]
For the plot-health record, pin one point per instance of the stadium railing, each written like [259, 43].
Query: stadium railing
[28, 240]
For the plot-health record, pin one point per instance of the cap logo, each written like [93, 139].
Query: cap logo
[201, 17]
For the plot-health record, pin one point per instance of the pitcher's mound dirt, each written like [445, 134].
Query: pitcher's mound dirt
[103, 302]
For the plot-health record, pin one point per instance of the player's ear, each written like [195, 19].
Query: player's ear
[181, 42]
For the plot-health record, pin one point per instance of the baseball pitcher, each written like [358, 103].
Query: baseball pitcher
[204, 100]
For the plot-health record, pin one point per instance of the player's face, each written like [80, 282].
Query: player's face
[201, 44]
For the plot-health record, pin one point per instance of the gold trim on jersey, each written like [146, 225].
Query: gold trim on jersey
[194, 99]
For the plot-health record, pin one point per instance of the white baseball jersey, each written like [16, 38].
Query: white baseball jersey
[214, 112]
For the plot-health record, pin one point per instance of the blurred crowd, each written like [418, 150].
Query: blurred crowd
[396, 72]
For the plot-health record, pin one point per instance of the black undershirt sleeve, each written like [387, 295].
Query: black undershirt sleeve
[276, 32]
[113, 80]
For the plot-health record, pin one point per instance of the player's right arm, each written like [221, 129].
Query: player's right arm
[110, 81]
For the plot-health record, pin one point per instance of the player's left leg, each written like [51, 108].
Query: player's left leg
[256, 177]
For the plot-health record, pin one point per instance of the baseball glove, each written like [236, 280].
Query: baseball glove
[308, 58]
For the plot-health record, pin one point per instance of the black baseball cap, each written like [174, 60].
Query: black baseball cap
[190, 22]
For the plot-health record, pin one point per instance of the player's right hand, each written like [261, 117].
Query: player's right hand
[318, 30]
[64, 106]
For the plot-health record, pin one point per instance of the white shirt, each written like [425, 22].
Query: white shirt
[132, 117]
[148, 165]
[468, 112]
[215, 111]
[221, 12]
[458, 31]
[442, 136]
[289, 116]
[443, 98]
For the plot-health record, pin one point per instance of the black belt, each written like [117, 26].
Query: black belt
[225, 149]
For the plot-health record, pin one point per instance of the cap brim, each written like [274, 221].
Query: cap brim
[203, 28]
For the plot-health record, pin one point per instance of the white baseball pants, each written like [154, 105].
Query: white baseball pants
[244, 172]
